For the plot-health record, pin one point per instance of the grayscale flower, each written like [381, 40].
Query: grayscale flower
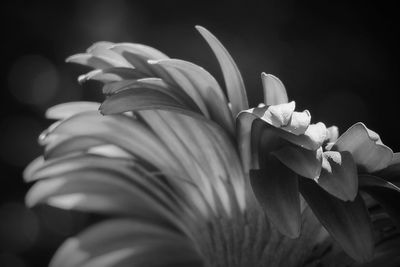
[187, 176]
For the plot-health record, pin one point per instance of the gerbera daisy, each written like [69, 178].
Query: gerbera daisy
[189, 176]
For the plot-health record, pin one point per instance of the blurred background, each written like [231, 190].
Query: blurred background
[339, 60]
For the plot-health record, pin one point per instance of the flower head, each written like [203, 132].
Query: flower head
[191, 177]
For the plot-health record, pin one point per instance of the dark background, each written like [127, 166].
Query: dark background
[339, 60]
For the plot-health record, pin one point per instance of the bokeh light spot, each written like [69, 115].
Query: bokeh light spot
[34, 80]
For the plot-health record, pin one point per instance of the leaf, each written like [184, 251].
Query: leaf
[66, 110]
[233, 79]
[339, 175]
[306, 163]
[125, 242]
[276, 189]
[366, 148]
[274, 90]
[386, 193]
[207, 87]
[347, 222]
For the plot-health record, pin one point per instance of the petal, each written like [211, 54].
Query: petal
[203, 144]
[151, 84]
[208, 88]
[367, 151]
[306, 163]
[279, 115]
[111, 75]
[97, 61]
[185, 84]
[100, 191]
[66, 110]
[347, 222]
[122, 131]
[332, 134]
[102, 49]
[135, 99]
[276, 189]
[245, 136]
[299, 123]
[339, 175]
[139, 55]
[125, 242]
[233, 79]
[141, 49]
[90, 61]
[274, 90]
[317, 133]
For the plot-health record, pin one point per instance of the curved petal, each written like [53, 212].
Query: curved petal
[135, 99]
[121, 131]
[114, 74]
[274, 90]
[208, 88]
[96, 62]
[245, 137]
[366, 148]
[185, 84]
[233, 79]
[339, 175]
[100, 191]
[151, 84]
[332, 134]
[276, 189]
[306, 163]
[347, 222]
[66, 110]
[139, 56]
